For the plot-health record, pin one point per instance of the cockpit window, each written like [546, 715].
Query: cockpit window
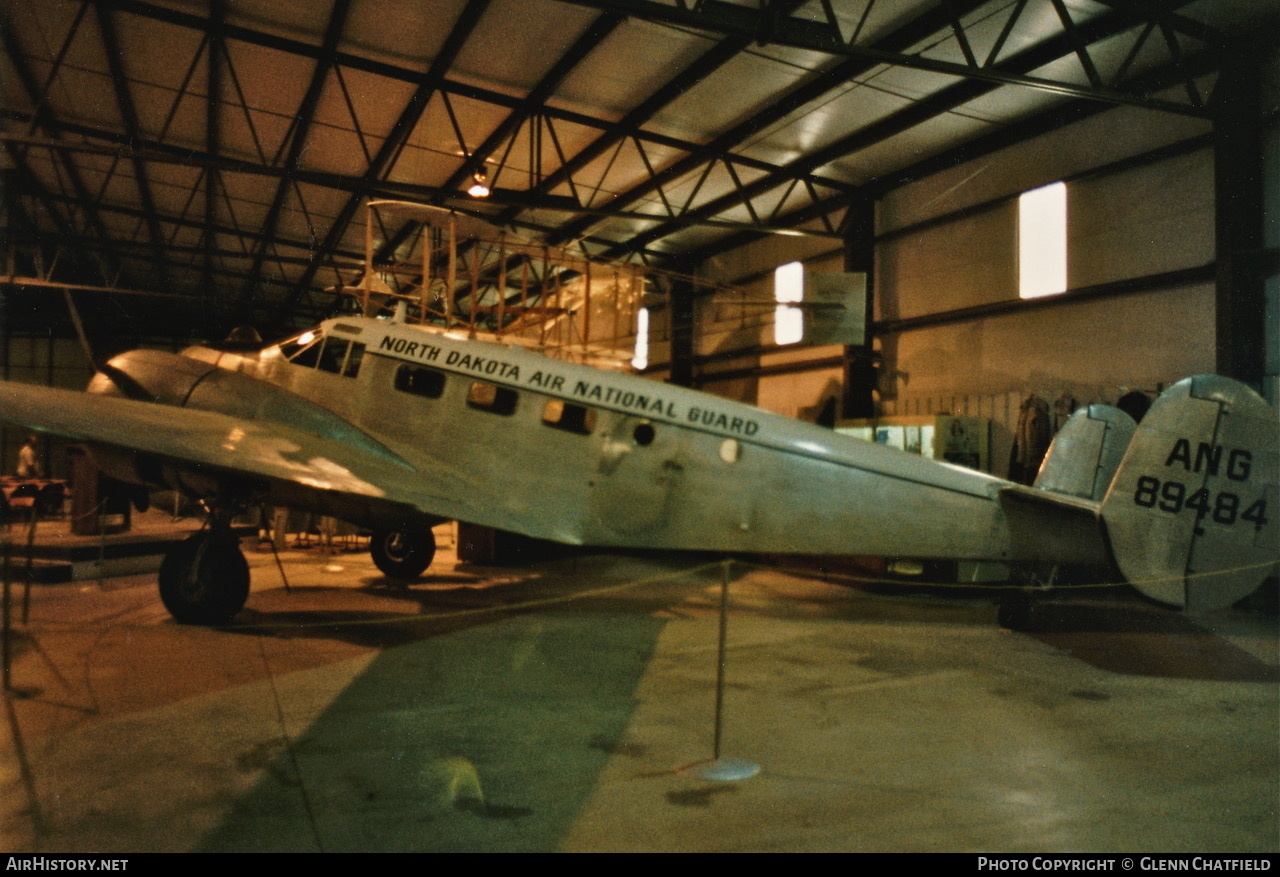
[307, 356]
[354, 356]
[308, 340]
[313, 350]
[333, 355]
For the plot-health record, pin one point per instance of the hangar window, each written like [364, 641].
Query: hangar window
[569, 417]
[492, 398]
[788, 291]
[420, 381]
[640, 361]
[1042, 241]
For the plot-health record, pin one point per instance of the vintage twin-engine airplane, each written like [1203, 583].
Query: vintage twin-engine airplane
[396, 427]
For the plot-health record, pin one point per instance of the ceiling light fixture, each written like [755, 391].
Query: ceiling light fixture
[479, 186]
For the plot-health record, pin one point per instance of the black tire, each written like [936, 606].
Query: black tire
[403, 554]
[1026, 612]
[205, 579]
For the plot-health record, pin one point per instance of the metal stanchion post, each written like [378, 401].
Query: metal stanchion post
[723, 769]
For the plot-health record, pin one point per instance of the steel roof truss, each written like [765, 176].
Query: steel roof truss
[427, 85]
[111, 46]
[296, 137]
[42, 117]
[767, 25]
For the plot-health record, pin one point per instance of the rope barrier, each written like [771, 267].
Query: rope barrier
[746, 566]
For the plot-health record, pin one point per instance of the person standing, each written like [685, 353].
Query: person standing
[28, 461]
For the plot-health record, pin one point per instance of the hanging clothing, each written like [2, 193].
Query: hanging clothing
[1030, 440]
[1063, 407]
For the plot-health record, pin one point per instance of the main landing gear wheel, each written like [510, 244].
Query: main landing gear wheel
[1027, 611]
[403, 554]
[205, 579]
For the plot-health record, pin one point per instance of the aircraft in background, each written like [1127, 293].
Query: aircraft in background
[395, 427]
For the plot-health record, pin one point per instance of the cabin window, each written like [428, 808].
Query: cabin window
[341, 357]
[569, 417]
[730, 450]
[644, 434]
[492, 398]
[420, 381]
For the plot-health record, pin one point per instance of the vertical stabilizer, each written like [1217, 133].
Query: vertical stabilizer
[1192, 513]
[1086, 452]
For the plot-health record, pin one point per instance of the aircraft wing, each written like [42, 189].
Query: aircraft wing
[206, 440]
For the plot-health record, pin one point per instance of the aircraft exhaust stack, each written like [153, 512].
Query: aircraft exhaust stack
[1193, 513]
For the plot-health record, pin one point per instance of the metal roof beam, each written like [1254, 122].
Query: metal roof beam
[530, 105]
[404, 74]
[111, 46]
[404, 125]
[629, 125]
[299, 133]
[716, 16]
[1043, 123]
[166, 154]
[806, 92]
[213, 135]
[920, 111]
[533, 102]
[43, 118]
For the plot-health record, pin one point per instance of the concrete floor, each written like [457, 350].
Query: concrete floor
[567, 707]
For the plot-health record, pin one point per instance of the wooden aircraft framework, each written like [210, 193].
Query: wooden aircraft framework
[457, 272]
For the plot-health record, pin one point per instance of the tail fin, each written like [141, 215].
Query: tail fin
[1086, 452]
[1193, 514]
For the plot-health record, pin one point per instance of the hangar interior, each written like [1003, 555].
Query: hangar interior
[176, 171]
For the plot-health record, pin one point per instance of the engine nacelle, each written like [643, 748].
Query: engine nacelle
[194, 380]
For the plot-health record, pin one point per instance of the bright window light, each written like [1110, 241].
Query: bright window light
[1042, 241]
[788, 286]
[641, 359]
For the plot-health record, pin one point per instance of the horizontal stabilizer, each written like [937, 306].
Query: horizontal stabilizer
[1048, 527]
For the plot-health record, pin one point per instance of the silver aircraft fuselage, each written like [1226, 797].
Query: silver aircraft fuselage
[517, 440]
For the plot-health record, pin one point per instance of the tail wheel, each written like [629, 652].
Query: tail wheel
[403, 554]
[205, 579]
